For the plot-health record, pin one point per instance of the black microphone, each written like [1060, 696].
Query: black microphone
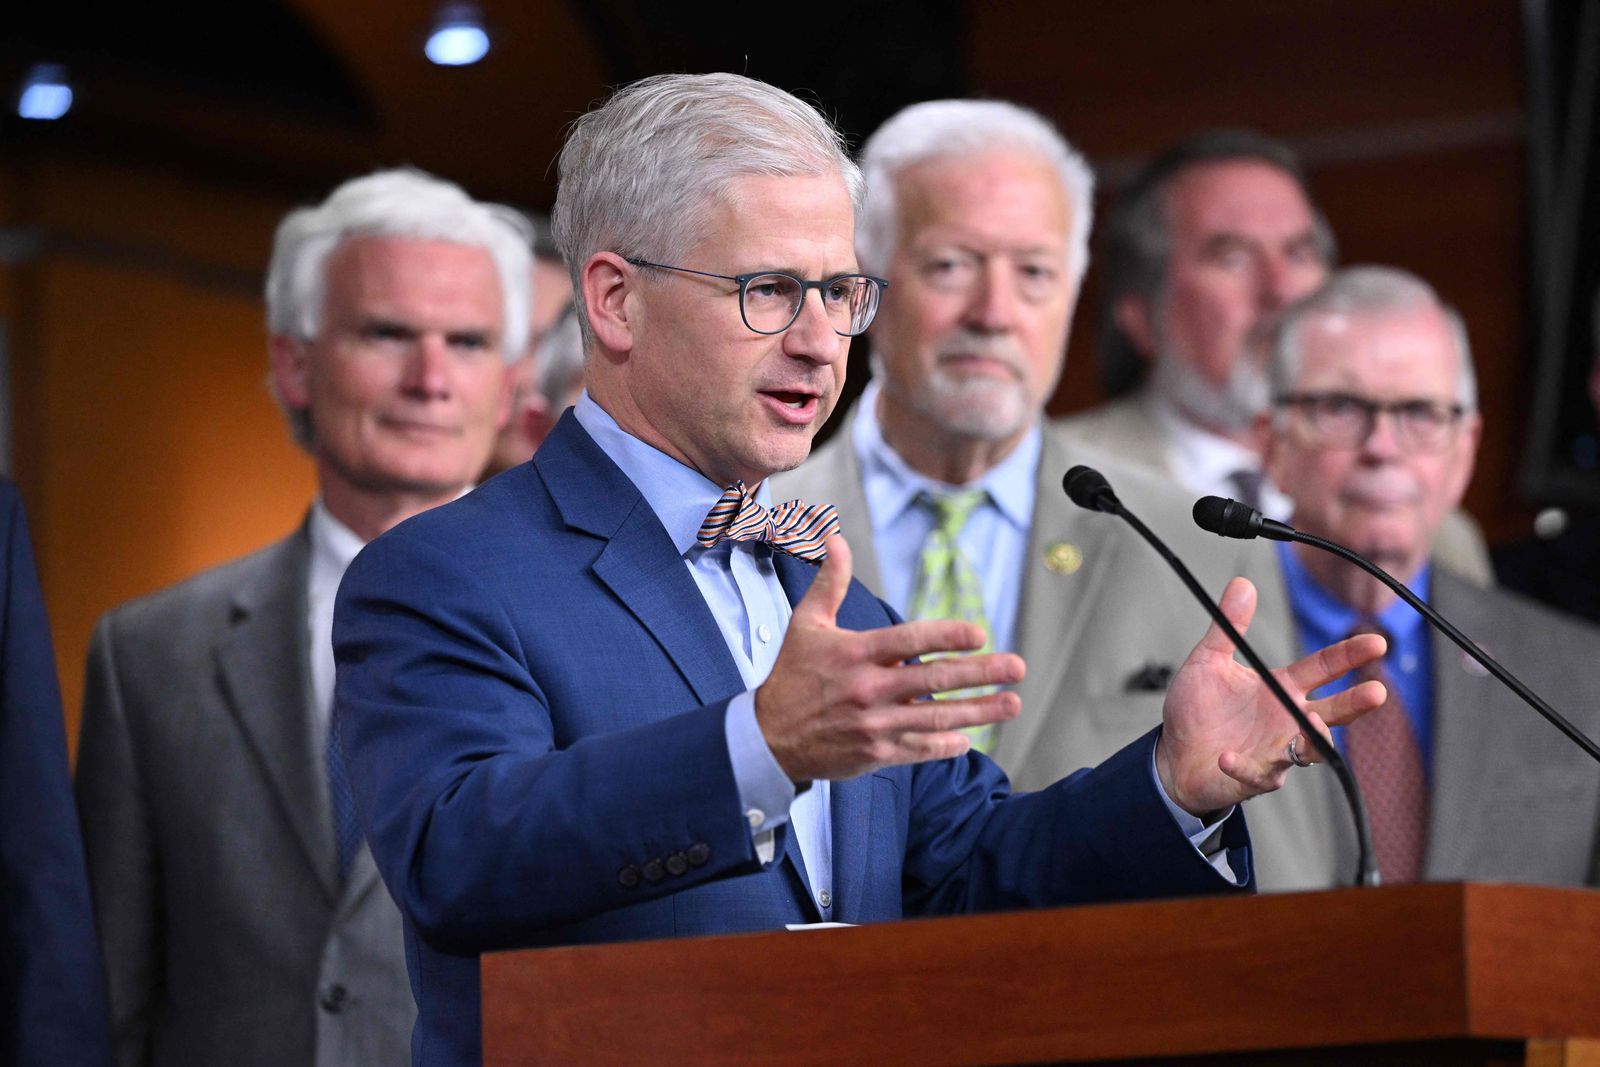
[1089, 489]
[1230, 518]
[1220, 516]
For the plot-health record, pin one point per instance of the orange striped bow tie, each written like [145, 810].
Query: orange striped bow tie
[795, 527]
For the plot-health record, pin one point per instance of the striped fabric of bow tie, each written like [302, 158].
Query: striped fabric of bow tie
[795, 527]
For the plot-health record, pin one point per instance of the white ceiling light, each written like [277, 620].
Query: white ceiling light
[458, 38]
[45, 94]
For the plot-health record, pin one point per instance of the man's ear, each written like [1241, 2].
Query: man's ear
[606, 285]
[1133, 315]
[291, 370]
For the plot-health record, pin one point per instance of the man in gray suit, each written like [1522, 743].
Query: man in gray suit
[243, 920]
[978, 213]
[1373, 432]
[1204, 247]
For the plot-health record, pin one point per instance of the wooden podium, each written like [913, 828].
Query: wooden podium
[1480, 974]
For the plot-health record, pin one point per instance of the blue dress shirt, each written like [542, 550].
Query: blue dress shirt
[996, 533]
[1321, 619]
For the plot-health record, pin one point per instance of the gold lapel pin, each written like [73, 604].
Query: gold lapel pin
[1063, 558]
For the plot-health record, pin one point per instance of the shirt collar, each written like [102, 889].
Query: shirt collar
[1207, 458]
[892, 485]
[1329, 619]
[679, 495]
[333, 546]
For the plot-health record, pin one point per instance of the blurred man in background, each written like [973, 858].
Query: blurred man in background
[1373, 431]
[1203, 249]
[242, 917]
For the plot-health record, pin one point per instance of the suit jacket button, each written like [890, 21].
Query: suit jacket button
[628, 876]
[335, 999]
[698, 854]
[677, 863]
[653, 871]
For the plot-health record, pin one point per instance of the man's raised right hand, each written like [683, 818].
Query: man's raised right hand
[840, 703]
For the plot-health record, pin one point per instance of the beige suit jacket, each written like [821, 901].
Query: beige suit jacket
[1100, 641]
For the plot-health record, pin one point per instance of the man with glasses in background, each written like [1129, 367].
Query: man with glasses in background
[1372, 432]
[610, 695]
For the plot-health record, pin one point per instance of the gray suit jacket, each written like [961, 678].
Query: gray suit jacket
[1512, 799]
[211, 856]
[1128, 429]
[1099, 642]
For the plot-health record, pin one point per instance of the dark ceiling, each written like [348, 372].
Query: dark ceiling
[301, 93]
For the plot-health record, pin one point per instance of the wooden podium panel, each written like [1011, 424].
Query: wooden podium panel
[1437, 973]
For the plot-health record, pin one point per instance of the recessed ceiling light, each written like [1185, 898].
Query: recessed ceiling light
[46, 93]
[458, 38]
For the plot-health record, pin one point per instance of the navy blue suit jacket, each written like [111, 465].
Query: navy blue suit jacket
[533, 693]
[52, 986]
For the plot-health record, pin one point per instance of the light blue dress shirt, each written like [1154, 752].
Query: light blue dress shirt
[996, 534]
[1320, 619]
[742, 590]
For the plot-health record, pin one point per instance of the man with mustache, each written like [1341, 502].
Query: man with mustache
[947, 474]
[1372, 432]
[1203, 248]
[242, 917]
[610, 694]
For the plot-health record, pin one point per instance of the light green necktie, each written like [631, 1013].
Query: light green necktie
[948, 588]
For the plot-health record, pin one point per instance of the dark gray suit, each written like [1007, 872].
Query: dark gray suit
[228, 938]
[1512, 800]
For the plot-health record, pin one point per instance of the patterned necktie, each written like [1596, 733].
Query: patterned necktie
[948, 588]
[796, 527]
[1383, 753]
[346, 831]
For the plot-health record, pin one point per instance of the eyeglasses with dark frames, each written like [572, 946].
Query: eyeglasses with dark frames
[1344, 420]
[770, 301]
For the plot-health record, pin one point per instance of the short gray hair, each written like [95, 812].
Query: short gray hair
[641, 174]
[1365, 291]
[403, 202]
[945, 129]
[1137, 247]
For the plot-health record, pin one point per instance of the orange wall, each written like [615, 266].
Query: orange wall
[147, 446]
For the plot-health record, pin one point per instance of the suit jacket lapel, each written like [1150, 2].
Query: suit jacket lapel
[850, 803]
[638, 563]
[262, 661]
[1049, 624]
